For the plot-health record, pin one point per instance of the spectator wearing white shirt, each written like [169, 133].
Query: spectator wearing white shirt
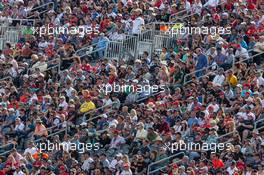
[116, 164]
[63, 104]
[219, 78]
[126, 170]
[138, 23]
[14, 66]
[69, 88]
[41, 64]
[241, 53]
[260, 79]
[232, 169]
[87, 162]
[211, 3]
[197, 6]
[107, 100]
[187, 5]
[141, 132]
[19, 125]
[31, 149]
[117, 140]
[211, 52]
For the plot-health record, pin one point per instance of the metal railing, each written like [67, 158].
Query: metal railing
[160, 161]
[40, 139]
[6, 78]
[257, 122]
[227, 134]
[52, 64]
[11, 36]
[114, 49]
[185, 79]
[96, 110]
[250, 58]
[41, 7]
[206, 68]
[2, 43]
[23, 22]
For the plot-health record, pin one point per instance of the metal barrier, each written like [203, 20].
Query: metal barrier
[130, 44]
[114, 49]
[161, 41]
[11, 36]
[41, 7]
[162, 160]
[24, 21]
[55, 133]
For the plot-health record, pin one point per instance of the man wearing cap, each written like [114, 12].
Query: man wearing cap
[219, 78]
[138, 23]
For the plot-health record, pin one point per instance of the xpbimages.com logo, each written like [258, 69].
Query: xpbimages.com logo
[146, 89]
[191, 146]
[69, 146]
[74, 30]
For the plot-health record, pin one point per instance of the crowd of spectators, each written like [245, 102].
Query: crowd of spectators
[128, 130]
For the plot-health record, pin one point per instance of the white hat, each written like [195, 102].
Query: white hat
[135, 81]
[119, 155]
[249, 99]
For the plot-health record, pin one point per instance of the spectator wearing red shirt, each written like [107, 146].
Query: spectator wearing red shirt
[217, 163]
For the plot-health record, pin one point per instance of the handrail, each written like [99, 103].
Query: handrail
[48, 62]
[234, 62]
[97, 109]
[192, 13]
[4, 153]
[84, 48]
[176, 14]
[61, 130]
[161, 168]
[257, 122]
[40, 6]
[2, 146]
[200, 70]
[239, 61]
[162, 160]
[7, 77]
[227, 134]
[21, 20]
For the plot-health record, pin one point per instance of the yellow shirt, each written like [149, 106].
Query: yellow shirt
[232, 80]
[87, 106]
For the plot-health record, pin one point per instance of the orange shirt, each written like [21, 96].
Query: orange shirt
[41, 130]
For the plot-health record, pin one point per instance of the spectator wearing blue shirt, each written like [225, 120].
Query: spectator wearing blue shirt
[192, 120]
[201, 63]
[220, 58]
[242, 42]
[101, 45]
